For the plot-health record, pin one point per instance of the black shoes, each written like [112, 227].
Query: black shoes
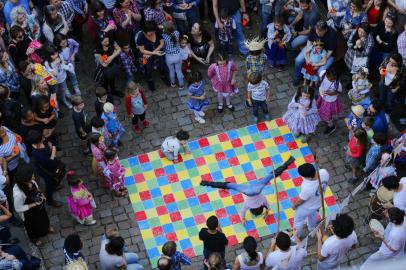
[151, 85]
[329, 130]
[284, 166]
[222, 185]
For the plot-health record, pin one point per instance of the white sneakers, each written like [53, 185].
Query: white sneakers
[200, 119]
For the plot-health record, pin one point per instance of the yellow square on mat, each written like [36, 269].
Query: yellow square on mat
[128, 172]
[210, 159]
[203, 170]
[226, 145]
[183, 175]
[246, 139]
[182, 233]
[289, 212]
[195, 240]
[243, 158]
[147, 234]
[149, 175]
[284, 130]
[268, 143]
[165, 219]
[227, 201]
[229, 230]
[153, 155]
[213, 140]
[271, 124]
[227, 172]
[135, 197]
[186, 213]
[287, 184]
[142, 186]
[166, 190]
[179, 196]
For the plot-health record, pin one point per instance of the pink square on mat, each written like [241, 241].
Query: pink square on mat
[159, 172]
[266, 161]
[330, 200]
[203, 198]
[238, 198]
[270, 219]
[157, 231]
[253, 233]
[285, 175]
[161, 210]
[221, 213]
[309, 159]
[224, 193]
[189, 193]
[236, 143]
[175, 216]
[280, 122]
[251, 176]
[292, 145]
[143, 158]
[207, 177]
[138, 178]
[278, 140]
[259, 145]
[189, 252]
[220, 156]
[200, 219]
[200, 161]
[171, 236]
[169, 198]
[235, 219]
[231, 179]
[145, 195]
[233, 161]
[282, 195]
[223, 137]
[297, 181]
[173, 178]
[232, 240]
[139, 216]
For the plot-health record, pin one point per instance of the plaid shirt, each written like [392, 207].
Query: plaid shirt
[67, 11]
[9, 78]
[256, 63]
[11, 264]
[171, 48]
[402, 46]
[156, 15]
[127, 62]
[120, 16]
[78, 6]
[179, 258]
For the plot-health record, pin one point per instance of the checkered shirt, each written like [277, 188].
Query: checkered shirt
[156, 15]
[78, 6]
[127, 62]
[256, 64]
[179, 258]
[67, 11]
[402, 46]
[120, 17]
[171, 48]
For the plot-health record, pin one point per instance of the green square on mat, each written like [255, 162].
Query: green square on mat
[194, 230]
[132, 189]
[193, 172]
[154, 261]
[242, 131]
[149, 242]
[263, 231]
[239, 151]
[237, 170]
[156, 164]
[180, 167]
[198, 249]
[152, 184]
[136, 169]
[253, 156]
[239, 228]
[196, 210]
[261, 173]
[217, 204]
[284, 225]
[273, 151]
[153, 222]
[275, 132]
[182, 204]
[213, 167]
[137, 206]
[197, 153]
[295, 153]
[216, 148]
[158, 201]
[178, 225]
[176, 187]
[125, 163]
[256, 137]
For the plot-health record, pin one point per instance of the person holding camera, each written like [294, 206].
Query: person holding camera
[29, 204]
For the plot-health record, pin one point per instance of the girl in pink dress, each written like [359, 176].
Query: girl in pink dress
[114, 173]
[81, 202]
[98, 147]
[222, 75]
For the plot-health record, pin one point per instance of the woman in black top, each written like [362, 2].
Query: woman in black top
[18, 45]
[150, 43]
[201, 44]
[28, 123]
[45, 115]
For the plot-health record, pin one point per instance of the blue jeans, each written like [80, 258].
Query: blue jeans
[132, 261]
[300, 60]
[74, 81]
[240, 34]
[387, 97]
[251, 189]
[174, 63]
[299, 41]
[266, 19]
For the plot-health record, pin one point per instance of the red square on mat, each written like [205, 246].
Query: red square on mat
[180, 159]
[203, 198]
[278, 140]
[143, 158]
[175, 216]
[189, 193]
[232, 240]
[159, 172]
[330, 200]
[280, 122]
[200, 161]
[262, 126]
[220, 156]
[233, 161]
[285, 175]
[238, 198]
[224, 193]
[171, 237]
[292, 145]
[161, 210]
[189, 252]
[309, 159]
[236, 143]
[291, 222]
[292, 165]
[223, 137]
[253, 233]
[282, 195]
[259, 145]
[235, 219]
[173, 178]
[221, 213]
[157, 231]
[203, 142]
[207, 177]
[266, 161]
[200, 219]
[270, 219]
[297, 181]
[161, 154]
[230, 179]
[139, 216]
[145, 195]
[250, 176]
[138, 178]
[169, 198]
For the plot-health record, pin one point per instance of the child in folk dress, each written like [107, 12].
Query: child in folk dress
[186, 55]
[359, 94]
[114, 173]
[278, 36]
[223, 78]
[197, 97]
[315, 57]
[81, 201]
[113, 125]
[329, 102]
[302, 116]
[98, 148]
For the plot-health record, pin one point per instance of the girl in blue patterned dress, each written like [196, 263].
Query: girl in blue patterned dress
[197, 98]
[315, 57]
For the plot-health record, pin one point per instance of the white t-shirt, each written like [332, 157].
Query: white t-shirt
[399, 198]
[243, 266]
[401, 3]
[310, 191]
[3, 179]
[395, 236]
[258, 91]
[286, 260]
[335, 248]
[329, 86]
[172, 145]
[107, 261]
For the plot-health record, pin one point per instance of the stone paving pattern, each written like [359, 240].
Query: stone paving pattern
[168, 113]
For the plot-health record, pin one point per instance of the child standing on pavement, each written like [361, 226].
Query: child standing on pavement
[136, 104]
[114, 173]
[356, 152]
[223, 78]
[113, 125]
[79, 116]
[258, 92]
[256, 59]
[98, 148]
[354, 120]
[101, 98]
[197, 97]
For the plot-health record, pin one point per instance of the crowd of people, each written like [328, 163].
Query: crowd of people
[39, 49]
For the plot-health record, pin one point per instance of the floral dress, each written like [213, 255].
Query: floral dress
[221, 76]
[80, 203]
[302, 117]
[114, 173]
[98, 157]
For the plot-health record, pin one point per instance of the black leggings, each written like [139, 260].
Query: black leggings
[141, 117]
[110, 74]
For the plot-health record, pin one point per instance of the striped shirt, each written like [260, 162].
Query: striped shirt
[6, 150]
[170, 47]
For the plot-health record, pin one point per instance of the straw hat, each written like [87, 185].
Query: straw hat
[78, 264]
[255, 44]
[108, 107]
[358, 110]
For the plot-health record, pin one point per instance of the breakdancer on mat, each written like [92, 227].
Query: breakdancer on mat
[255, 201]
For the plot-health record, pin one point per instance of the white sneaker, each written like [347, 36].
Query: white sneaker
[200, 120]
[201, 113]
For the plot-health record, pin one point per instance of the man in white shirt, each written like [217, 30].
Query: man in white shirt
[393, 239]
[282, 255]
[336, 246]
[171, 145]
[399, 188]
[309, 201]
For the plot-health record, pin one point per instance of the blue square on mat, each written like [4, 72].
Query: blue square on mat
[229, 153]
[129, 180]
[143, 224]
[232, 134]
[153, 252]
[148, 204]
[186, 184]
[155, 192]
[160, 240]
[231, 210]
[292, 193]
[223, 164]
[293, 173]
[133, 161]
[305, 151]
[162, 181]
[286, 204]
[167, 228]
[288, 138]
[170, 169]
[217, 175]
[193, 145]
[246, 167]
[249, 148]
[189, 164]
[193, 201]
[277, 159]
[207, 150]
[252, 129]
[265, 135]
[282, 148]
[189, 222]
[249, 225]
[172, 207]
[283, 216]
[185, 243]
[273, 227]
[206, 207]
[146, 167]
[224, 222]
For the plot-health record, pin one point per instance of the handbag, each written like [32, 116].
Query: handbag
[58, 174]
[359, 62]
[181, 16]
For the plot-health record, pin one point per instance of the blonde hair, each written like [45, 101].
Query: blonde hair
[132, 86]
[215, 262]
[18, 10]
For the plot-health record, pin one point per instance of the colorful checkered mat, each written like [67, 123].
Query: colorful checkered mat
[169, 203]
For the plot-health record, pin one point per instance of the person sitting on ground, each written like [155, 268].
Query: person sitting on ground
[176, 258]
[250, 259]
[171, 145]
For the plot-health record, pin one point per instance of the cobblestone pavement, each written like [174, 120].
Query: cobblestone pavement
[168, 113]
